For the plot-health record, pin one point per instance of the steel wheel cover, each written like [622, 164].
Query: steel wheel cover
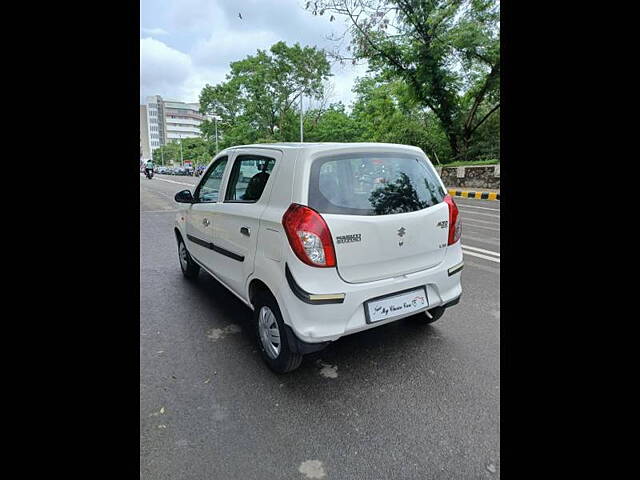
[269, 332]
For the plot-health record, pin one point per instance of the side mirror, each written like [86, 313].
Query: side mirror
[184, 196]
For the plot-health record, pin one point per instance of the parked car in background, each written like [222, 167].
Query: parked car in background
[323, 240]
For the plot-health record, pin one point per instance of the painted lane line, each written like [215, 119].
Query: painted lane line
[159, 211]
[473, 227]
[486, 222]
[481, 213]
[177, 183]
[482, 250]
[171, 181]
[185, 178]
[464, 205]
[479, 255]
[488, 240]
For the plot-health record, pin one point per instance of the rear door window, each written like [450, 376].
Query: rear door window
[248, 178]
[375, 184]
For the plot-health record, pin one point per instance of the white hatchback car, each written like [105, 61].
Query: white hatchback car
[323, 240]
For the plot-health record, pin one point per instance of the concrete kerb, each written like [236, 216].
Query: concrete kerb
[474, 194]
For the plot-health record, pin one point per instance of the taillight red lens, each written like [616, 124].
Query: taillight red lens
[309, 236]
[455, 225]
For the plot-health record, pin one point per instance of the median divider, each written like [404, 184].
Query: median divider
[474, 194]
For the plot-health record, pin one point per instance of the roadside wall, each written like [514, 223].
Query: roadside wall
[485, 176]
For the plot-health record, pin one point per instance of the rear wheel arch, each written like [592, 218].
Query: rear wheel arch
[256, 287]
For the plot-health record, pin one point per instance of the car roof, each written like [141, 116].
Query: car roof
[318, 147]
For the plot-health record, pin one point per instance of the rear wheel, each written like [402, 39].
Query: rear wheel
[272, 337]
[435, 314]
[189, 268]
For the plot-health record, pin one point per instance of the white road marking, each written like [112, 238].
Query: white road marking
[173, 181]
[489, 240]
[461, 205]
[479, 226]
[479, 255]
[481, 213]
[158, 211]
[177, 183]
[482, 250]
[488, 222]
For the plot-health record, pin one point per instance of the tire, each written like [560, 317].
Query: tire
[190, 269]
[268, 319]
[435, 312]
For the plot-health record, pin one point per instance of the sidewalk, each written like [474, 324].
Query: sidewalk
[482, 194]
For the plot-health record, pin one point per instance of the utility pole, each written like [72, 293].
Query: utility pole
[301, 132]
[215, 121]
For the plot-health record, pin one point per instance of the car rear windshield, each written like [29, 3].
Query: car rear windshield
[373, 184]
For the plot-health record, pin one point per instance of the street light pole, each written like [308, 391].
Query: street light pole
[181, 159]
[215, 121]
[301, 128]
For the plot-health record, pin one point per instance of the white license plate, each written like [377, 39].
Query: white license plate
[396, 305]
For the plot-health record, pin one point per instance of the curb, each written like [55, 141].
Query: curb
[473, 194]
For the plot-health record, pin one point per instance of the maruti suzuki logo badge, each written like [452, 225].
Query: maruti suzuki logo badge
[401, 232]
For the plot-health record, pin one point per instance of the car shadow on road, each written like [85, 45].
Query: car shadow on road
[406, 344]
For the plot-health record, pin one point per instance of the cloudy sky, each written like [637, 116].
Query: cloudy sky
[186, 44]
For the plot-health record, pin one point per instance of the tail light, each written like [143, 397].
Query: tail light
[309, 236]
[455, 225]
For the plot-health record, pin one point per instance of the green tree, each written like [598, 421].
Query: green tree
[331, 125]
[385, 112]
[166, 155]
[447, 52]
[197, 150]
[258, 98]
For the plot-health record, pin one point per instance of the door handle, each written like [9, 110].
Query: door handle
[245, 231]
[206, 222]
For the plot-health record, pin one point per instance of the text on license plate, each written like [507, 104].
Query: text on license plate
[396, 305]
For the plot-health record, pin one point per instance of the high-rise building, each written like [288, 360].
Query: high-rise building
[145, 148]
[168, 121]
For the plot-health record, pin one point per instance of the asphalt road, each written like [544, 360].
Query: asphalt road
[402, 401]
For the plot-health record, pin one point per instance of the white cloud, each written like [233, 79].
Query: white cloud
[154, 31]
[207, 35]
[224, 49]
[196, 15]
[163, 70]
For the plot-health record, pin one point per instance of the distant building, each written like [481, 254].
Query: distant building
[145, 147]
[182, 120]
[168, 121]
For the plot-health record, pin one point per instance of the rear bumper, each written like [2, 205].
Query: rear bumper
[453, 302]
[339, 306]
